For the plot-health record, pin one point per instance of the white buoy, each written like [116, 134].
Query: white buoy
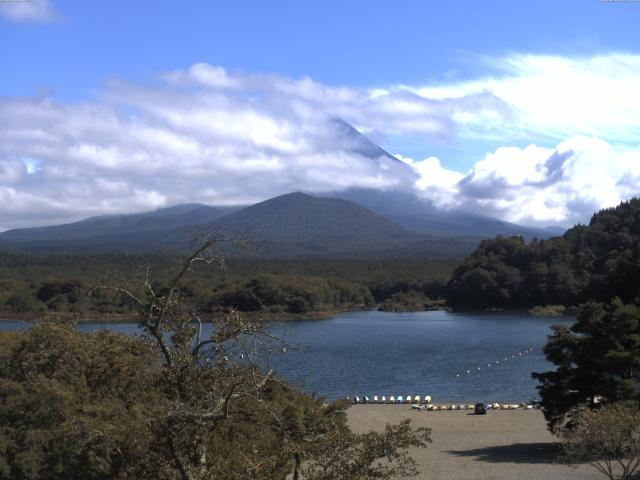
[457, 374]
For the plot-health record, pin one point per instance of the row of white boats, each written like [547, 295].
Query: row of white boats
[392, 399]
[425, 403]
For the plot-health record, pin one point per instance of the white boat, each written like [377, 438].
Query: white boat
[375, 399]
[417, 406]
[383, 399]
[392, 399]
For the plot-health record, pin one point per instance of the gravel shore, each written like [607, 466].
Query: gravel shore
[504, 444]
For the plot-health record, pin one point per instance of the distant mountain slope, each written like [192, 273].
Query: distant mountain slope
[412, 213]
[356, 142]
[291, 225]
[116, 230]
[300, 225]
[297, 217]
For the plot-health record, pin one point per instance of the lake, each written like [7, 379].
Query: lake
[421, 353]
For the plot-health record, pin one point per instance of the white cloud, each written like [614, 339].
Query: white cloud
[437, 184]
[552, 97]
[28, 11]
[137, 148]
[205, 134]
[538, 186]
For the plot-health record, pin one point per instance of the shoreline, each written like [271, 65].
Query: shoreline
[267, 316]
[126, 318]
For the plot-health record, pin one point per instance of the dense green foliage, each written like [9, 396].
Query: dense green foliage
[98, 406]
[75, 406]
[41, 284]
[594, 262]
[597, 361]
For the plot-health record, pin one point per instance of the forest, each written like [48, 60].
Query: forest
[597, 262]
[36, 285]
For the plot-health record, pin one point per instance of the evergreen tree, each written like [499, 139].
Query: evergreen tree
[597, 359]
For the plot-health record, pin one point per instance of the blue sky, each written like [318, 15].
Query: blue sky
[353, 43]
[476, 97]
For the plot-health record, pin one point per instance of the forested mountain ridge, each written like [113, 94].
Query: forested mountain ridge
[117, 230]
[596, 261]
[294, 225]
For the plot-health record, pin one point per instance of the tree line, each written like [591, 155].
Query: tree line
[33, 286]
[598, 262]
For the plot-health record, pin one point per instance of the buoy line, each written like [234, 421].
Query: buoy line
[496, 363]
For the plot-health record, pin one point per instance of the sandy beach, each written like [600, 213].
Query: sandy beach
[509, 445]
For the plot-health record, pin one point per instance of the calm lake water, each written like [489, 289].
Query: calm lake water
[369, 353]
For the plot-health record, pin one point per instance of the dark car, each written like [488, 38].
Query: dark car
[480, 409]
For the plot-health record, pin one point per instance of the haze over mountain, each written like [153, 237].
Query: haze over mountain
[413, 213]
[116, 230]
[290, 225]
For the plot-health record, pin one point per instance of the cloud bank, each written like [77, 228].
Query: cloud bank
[565, 132]
[535, 185]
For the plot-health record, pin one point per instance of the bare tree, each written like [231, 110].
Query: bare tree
[218, 369]
[208, 364]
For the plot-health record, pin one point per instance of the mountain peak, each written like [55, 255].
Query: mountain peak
[298, 217]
